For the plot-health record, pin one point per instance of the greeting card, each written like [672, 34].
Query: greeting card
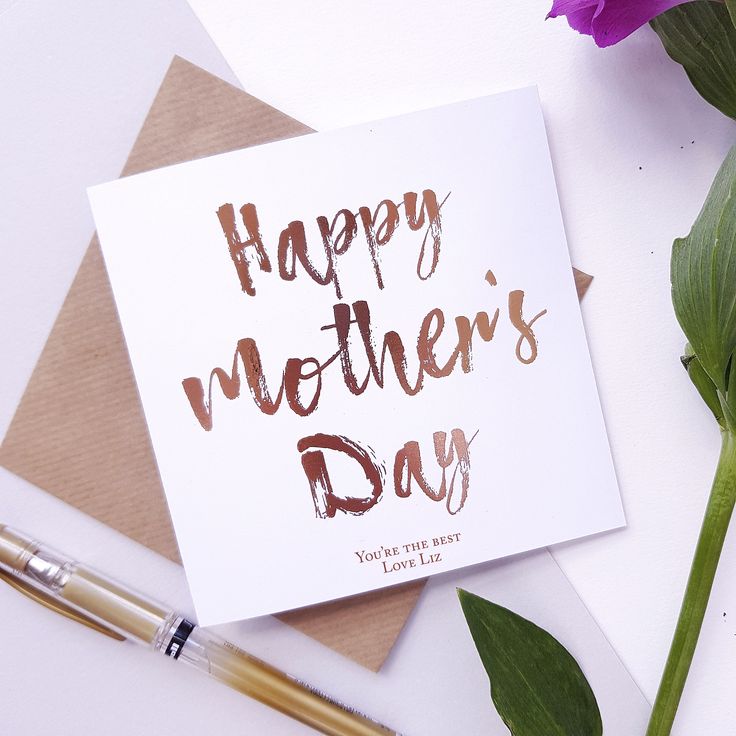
[360, 355]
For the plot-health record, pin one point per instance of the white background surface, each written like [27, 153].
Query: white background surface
[75, 82]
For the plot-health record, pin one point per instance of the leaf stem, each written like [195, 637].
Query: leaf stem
[699, 584]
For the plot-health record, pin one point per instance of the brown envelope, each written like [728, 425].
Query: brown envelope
[79, 431]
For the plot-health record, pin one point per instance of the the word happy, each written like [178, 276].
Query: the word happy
[336, 238]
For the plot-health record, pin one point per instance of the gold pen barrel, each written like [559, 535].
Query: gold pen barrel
[259, 680]
[136, 616]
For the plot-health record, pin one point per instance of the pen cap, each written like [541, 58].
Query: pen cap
[110, 603]
[44, 567]
[13, 548]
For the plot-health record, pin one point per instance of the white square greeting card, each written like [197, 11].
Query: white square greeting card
[360, 355]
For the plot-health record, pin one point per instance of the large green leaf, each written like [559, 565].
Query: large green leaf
[701, 36]
[703, 273]
[536, 685]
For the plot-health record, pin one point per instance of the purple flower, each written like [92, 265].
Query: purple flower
[609, 21]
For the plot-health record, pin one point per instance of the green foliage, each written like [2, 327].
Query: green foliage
[701, 36]
[536, 685]
[701, 380]
[703, 273]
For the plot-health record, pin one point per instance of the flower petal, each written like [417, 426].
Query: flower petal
[582, 20]
[579, 13]
[563, 7]
[616, 19]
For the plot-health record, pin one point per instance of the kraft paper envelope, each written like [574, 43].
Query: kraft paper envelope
[80, 432]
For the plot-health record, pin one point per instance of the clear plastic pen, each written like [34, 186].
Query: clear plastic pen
[81, 593]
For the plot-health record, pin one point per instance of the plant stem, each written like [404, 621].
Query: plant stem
[699, 584]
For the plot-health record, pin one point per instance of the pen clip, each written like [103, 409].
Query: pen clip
[56, 605]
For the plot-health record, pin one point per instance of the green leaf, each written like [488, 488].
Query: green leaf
[701, 380]
[703, 273]
[536, 685]
[701, 36]
[731, 6]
